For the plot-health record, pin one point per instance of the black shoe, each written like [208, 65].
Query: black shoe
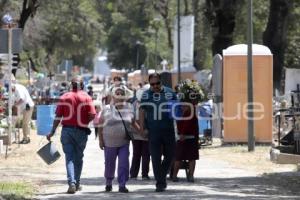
[71, 189]
[191, 179]
[175, 179]
[145, 177]
[160, 189]
[133, 177]
[108, 188]
[25, 141]
[123, 189]
[78, 187]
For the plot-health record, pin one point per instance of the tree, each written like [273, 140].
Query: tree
[70, 30]
[202, 41]
[292, 53]
[29, 9]
[164, 8]
[126, 24]
[222, 15]
[275, 35]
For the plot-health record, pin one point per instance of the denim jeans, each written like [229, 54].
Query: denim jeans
[73, 142]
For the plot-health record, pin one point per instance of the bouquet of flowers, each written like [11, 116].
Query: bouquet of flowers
[190, 91]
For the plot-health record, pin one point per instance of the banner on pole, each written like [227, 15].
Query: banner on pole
[17, 40]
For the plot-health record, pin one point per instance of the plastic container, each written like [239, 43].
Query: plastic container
[49, 153]
[45, 117]
[204, 118]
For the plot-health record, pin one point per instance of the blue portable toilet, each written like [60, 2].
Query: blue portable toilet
[44, 118]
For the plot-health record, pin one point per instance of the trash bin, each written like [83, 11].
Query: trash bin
[204, 118]
[45, 118]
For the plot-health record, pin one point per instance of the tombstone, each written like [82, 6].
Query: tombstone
[292, 78]
[166, 79]
[217, 81]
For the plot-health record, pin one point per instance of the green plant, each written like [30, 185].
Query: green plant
[16, 190]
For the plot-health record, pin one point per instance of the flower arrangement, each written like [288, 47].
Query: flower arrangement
[190, 91]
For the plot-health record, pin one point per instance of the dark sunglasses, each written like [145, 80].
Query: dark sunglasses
[153, 84]
[120, 93]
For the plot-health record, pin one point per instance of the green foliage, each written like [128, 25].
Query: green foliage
[190, 91]
[18, 190]
[292, 54]
[76, 29]
[260, 18]
[63, 30]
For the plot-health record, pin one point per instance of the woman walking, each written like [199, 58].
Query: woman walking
[113, 140]
[187, 144]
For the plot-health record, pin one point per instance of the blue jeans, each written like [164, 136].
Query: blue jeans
[73, 142]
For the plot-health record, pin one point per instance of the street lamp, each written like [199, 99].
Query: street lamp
[138, 43]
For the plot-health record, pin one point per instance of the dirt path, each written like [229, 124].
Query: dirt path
[214, 180]
[217, 177]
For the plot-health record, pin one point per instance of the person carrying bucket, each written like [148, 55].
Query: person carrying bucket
[74, 110]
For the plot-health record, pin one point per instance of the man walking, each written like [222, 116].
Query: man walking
[74, 110]
[154, 115]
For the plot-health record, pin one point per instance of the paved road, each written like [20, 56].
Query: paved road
[214, 180]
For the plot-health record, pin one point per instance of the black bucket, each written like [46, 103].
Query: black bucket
[49, 153]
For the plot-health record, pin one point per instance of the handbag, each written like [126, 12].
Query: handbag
[129, 135]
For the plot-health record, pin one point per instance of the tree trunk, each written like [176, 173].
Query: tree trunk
[3, 3]
[221, 14]
[28, 9]
[275, 35]
[162, 6]
[198, 51]
[186, 8]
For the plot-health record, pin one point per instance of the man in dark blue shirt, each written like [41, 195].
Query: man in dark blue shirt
[155, 116]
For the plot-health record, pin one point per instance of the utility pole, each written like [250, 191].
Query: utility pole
[156, 39]
[29, 71]
[251, 136]
[10, 56]
[178, 40]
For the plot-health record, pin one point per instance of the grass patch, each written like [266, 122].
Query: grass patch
[16, 190]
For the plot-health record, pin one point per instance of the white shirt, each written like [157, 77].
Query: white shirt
[21, 92]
